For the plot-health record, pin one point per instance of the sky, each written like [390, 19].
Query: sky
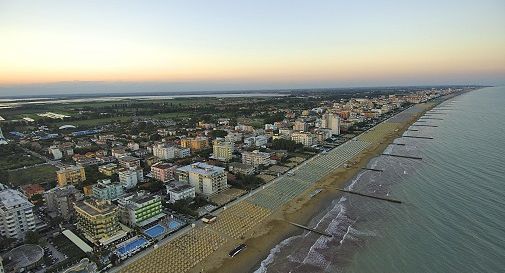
[145, 46]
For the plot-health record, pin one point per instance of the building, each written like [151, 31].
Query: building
[222, 150]
[307, 139]
[139, 209]
[301, 125]
[32, 189]
[59, 201]
[16, 214]
[119, 152]
[332, 122]
[241, 168]
[195, 144]
[261, 141]
[107, 190]
[181, 152]
[207, 179]
[129, 162]
[130, 177]
[70, 175]
[256, 158]
[163, 172]
[178, 191]
[98, 220]
[108, 169]
[164, 151]
[55, 151]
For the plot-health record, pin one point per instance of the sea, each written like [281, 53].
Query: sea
[452, 218]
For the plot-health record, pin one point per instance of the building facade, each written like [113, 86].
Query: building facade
[207, 179]
[256, 158]
[140, 209]
[307, 139]
[222, 150]
[16, 214]
[163, 172]
[164, 151]
[178, 191]
[70, 175]
[107, 190]
[59, 201]
[98, 220]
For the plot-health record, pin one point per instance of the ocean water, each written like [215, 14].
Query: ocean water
[453, 215]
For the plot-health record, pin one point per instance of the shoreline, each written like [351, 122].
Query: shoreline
[303, 209]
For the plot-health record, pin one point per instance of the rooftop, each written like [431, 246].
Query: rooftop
[95, 207]
[10, 198]
[201, 168]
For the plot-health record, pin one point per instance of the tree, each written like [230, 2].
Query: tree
[32, 237]
[284, 144]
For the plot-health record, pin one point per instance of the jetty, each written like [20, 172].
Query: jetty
[310, 229]
[404, 156]
[431, 118]
[412, 130]
[371, 169]
[422, 137]
[399, 144]
[424, 125]
[371, 196]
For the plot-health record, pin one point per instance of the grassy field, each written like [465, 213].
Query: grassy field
[33, 175]
[13, 157]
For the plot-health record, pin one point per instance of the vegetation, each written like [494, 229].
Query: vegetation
[247, 182]
[33, 175]
[284, 144]
[13, 157]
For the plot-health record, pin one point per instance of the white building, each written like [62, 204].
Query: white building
[178, 191]
[222, 150]
[261, 141]
[332, 122]
[256, 158]
[307, 139]
[107, 190]
[16, 214]
[164, 151]
[130, 177]
[207, 179]
[55, 151]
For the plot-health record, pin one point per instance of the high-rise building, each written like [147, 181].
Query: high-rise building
[98, 220]
[301, 125]
[256, 158]
[59, 201]
[140, 209]
[16, 214]
[332, 122]
[130, 177]
[164, 151]
[195, 144]
[70, 175]
[163, 172]
[222, 150]
[307, 139]
[207, 179]
[107, 190]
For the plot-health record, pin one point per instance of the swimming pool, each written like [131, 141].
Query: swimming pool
[155, 231]
[131, 246]
[174, 224]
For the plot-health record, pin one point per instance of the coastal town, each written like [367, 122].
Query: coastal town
[105, 186]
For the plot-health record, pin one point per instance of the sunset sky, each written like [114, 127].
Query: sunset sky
[205, 45]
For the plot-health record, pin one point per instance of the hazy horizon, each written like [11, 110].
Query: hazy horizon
[105, 88]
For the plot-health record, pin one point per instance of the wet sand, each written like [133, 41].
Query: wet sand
[274, 229]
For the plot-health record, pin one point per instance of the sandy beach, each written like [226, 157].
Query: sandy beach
[271, 231]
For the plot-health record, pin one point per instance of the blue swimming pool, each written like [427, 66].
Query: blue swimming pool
[174, 224]
[155, 231]
[131, 246]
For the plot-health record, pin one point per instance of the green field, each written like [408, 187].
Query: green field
[33, 175]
